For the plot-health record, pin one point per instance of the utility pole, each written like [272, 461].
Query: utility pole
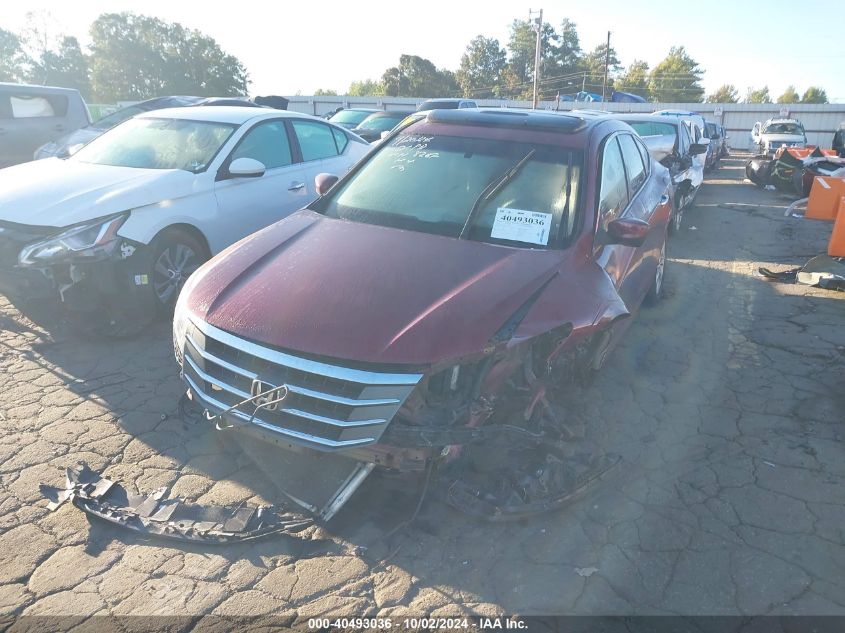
[539, 28]
[606, 63]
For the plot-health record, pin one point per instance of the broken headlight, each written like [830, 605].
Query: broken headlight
[92, 241]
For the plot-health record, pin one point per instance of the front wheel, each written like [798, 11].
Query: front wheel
[176, 255]
[655, 293]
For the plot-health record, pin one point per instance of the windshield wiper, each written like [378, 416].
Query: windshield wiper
[491, 190]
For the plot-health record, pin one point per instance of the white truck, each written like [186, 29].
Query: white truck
[768, 137]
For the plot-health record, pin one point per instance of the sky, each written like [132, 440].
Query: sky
[298, 47]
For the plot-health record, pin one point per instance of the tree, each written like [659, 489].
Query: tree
[593, 66]
[66, 67]
[790, 95]
[365, 88]
[480, 73]
[522, 46]
[139, 57]
[12, 58]
[726, 93]
[814, 94]
[322, 92]
[677, 79]
[759, 95]
[418, 77]
[635, 80]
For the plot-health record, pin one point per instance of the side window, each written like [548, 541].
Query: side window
[267, 143]
[340, 139]
[633, 163]
[613, 194]
[315, 140]
[644, 153]
[26, 106]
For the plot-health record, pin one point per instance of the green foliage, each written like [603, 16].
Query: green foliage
[522, 46]
[66, 67]
[726, 93]
[593, 64]
[482, 65]
[758, 95]
[677, 79]
[635, 80]
[139, 57]
[13, 60]
[322, 92]
[790, 95]
[365, 88]
[418, 77]
[814, 94]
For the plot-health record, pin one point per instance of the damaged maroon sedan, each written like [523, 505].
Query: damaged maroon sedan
[425, 310]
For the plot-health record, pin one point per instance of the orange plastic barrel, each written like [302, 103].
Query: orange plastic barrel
[824, 198]
[836, 245]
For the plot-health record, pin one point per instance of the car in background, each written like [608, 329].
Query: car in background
[695, 125]
[351, 117]
[114, 230]
[472, 260]
[669, 143]
[768, 137]
[33, 115]
[68, 144]
[446, 104]
[371, 128]
[714, 147]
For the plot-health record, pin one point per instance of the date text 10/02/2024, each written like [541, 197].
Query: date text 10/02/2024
[415, 624]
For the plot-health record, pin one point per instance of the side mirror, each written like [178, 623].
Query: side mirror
[698, 148]
[246, 168]
[323, 182]
[627, 231]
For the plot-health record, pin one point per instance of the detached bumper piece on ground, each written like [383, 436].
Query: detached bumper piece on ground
[169, 518]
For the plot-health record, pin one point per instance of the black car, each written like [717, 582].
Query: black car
[370, 129]
[839, 140]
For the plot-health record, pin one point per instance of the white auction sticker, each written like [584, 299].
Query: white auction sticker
[519, 225]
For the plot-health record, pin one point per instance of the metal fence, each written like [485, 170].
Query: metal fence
[820, 121]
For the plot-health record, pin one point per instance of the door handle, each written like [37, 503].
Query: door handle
[296, 186]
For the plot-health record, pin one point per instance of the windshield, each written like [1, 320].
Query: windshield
[149, 143]
[382, 122]
[350, 116]
[784, 128]
[110, 120]
[521, 194]
[652, 128]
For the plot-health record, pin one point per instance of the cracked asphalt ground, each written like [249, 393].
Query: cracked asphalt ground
[726, 403]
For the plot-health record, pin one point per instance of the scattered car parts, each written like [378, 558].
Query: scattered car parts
[156, 515]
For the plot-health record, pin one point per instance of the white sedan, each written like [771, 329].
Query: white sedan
[120, 224]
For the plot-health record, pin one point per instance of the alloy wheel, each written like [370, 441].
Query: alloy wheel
[174, 265]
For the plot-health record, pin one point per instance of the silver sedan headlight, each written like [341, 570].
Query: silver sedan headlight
[90, 241]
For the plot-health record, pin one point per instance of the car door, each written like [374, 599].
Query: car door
[614, 203]
[321, 147]
[247, 204]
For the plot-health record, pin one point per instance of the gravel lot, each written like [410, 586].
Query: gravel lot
[726, 403]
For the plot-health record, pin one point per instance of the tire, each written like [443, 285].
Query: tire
[655, 293]
[176, 255]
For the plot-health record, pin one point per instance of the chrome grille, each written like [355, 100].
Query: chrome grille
[328, 406]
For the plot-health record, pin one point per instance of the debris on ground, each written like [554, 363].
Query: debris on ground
[155, 515]
[821, 271]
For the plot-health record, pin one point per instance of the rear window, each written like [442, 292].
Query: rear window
[509, 193]
[652, 128]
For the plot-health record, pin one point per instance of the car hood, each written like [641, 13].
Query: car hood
[366, 293]
[56, 192]
[777, 138]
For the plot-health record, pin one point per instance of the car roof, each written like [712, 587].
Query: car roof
[633, 116]
[35, 88]
[222, 114]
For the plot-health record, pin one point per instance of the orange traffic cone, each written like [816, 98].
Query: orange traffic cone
[836, 245]
[824, 198]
